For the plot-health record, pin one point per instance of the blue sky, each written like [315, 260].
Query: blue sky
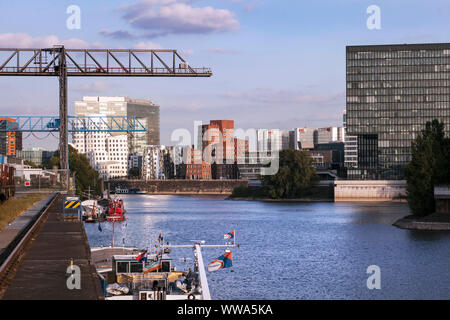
[276, 64]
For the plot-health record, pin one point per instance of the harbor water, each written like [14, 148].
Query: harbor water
[292, 250]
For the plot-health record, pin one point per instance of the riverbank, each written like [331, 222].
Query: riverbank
[435, 221]
[280, 200]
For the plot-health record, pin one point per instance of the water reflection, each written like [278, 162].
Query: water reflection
[295, 250]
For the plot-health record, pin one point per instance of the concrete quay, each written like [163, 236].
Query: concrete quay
[41, 271]
[13, 229]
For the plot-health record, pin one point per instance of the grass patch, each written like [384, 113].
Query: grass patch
[14, 207]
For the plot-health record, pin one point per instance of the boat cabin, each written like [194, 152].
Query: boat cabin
[127, 264]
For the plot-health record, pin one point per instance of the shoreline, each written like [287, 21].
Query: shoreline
[434, 222]
[280, 200]
[181, 193]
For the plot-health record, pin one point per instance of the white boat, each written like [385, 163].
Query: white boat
[126, 277]
[91, 211]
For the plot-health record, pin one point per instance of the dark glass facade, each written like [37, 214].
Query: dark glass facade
[392, 91]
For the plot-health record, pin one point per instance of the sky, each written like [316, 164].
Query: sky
[276, 63]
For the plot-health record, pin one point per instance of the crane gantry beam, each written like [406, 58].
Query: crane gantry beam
[62, 63]
[75, 124]
[97, 62]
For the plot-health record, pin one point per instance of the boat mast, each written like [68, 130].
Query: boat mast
[113, 223]
[201, 270]
[199, 259]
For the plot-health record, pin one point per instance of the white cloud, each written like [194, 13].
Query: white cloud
[224, 51]
[96, 86]
[119, 34]
[23, 40]
[269, 95]
[163, 17]
[147, 45]
[187, 52]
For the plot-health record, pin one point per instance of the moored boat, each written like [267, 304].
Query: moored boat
[131, 274]
[116, 210]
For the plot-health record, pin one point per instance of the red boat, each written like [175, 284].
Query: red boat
[116, 211]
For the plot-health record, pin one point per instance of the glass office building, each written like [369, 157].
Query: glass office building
[146, 111]
[392, 91]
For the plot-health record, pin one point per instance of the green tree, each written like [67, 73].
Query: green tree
[429, 166]
[86, 177]
[134, 172]
[294, 177]
[31, 164]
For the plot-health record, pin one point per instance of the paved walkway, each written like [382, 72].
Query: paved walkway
[10, 231]
[42, 271]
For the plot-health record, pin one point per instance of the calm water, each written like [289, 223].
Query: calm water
[294, 250]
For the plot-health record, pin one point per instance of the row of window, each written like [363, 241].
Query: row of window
[411, 107]
[397, 91]
[398, 76]
[394, 117]
[368, 127]
[411, 53]
[400, 98]
[397, 62]
[397, 84]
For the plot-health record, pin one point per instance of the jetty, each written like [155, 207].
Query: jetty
[35, 263]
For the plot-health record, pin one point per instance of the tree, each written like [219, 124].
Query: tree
[134, 172]
[294, 177]
[86, 177]
[429, 166]
[31, 164]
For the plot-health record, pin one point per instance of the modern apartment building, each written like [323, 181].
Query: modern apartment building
[329, 134]
[392, 91]
[146, 111]
[109, 156]
[302, 138]
[10, 141]
[272, 140]
[217, 141]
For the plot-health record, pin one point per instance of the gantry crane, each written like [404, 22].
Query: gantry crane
[62, 63]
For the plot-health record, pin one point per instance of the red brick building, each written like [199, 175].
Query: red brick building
[195, 167]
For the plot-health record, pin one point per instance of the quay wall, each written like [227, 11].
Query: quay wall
[175, 186]
[369, 190]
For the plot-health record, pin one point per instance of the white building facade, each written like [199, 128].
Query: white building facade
[153, 162]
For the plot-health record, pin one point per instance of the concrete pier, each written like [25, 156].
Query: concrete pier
[369, 190]
[41, 273]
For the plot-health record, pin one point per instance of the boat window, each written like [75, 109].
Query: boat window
[136, 267]
[165, 266]
[122, 267]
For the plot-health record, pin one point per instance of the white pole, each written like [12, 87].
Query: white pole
[114, 221]
[201, 270]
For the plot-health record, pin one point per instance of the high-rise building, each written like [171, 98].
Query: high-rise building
[272, 140]
[153, 162]
[10, 141]
[108, 154]
[392, 91]
[302, 138]
[146, 111]
[329, 134]
[350, 149]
